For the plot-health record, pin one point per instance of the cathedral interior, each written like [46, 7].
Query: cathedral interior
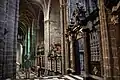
[59, 39]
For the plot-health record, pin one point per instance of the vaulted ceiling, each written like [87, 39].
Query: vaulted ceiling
[29, 10]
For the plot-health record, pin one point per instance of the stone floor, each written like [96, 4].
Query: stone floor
[33, 76]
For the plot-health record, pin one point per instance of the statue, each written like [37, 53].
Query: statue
[78, 14]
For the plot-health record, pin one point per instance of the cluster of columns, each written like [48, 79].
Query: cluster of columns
[110, 30]
[8, 37]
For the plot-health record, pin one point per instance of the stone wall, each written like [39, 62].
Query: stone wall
[2, 27]
[55, 33]
[9, 10]
[113, 32]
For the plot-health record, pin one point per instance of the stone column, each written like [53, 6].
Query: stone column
[86, 53]
[73, 52]
[10, 19]
[105, 43]
[15, 37]
[2, 28]
[64, 25]
[68, 52]
[62, 33]
[46, 43]
[64, 39]
[47, 35]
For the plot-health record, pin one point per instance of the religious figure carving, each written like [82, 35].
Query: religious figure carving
[78, 14]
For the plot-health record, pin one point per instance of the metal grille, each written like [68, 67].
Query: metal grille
[95, 66]
[94, 46]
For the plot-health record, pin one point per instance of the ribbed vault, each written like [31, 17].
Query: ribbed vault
[29, 10]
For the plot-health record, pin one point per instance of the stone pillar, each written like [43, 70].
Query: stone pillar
[2, 35]
[47, 35]
[64, 25]
[73, 63]
[15, 37]
[62, 34]
[46, 43]
[105, 43]
[86, 53]
[65, 6]
[10, 19]
[68, 53]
